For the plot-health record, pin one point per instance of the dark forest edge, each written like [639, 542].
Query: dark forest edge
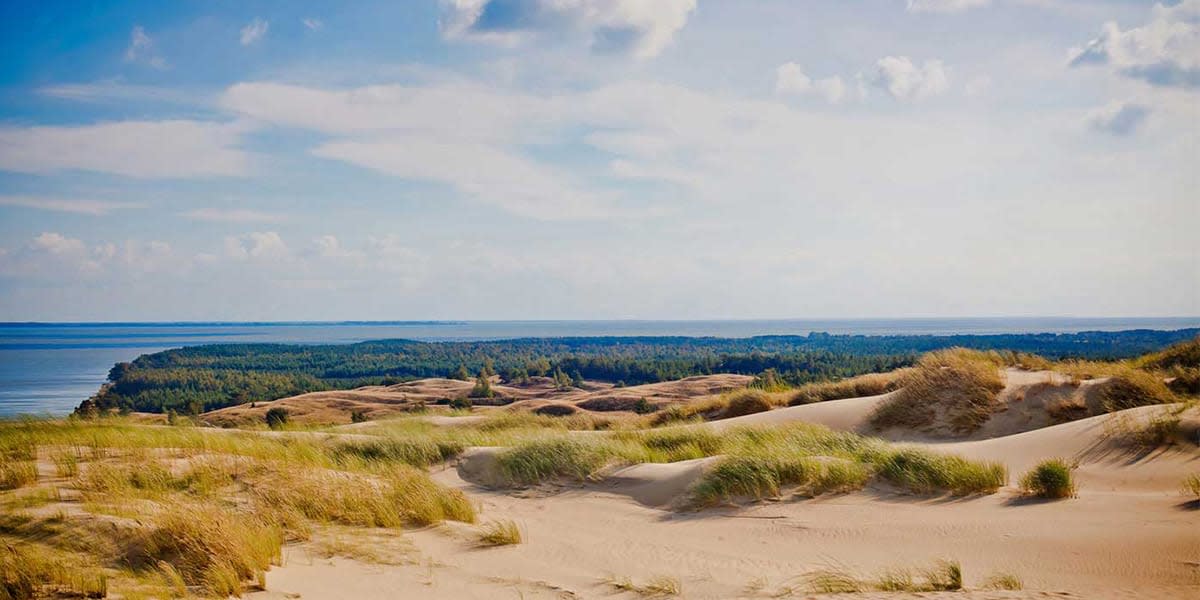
[208, 377]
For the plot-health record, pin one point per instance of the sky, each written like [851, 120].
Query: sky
[598, 159]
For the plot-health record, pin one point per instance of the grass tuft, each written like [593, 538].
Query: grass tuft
[500, 533]
[543, 459]
[1003, 581]
[927, 472]
[1191, 485]
[17, 473]
[1050, 479]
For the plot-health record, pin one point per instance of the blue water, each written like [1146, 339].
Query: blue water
[49, 368]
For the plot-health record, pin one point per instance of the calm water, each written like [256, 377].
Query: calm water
[50, 368]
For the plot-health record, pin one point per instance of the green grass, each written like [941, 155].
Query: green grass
[1051, 478]
[540, 460]
[926, 472]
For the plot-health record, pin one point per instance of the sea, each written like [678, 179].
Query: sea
[48, 368]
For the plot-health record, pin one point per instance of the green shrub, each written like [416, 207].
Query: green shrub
[277, 417]
[1051, 478]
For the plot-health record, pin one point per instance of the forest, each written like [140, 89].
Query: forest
[200, 378]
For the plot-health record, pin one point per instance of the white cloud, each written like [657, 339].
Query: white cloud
[906, 81]
[944, 6]
[146, 149]
[254, 31]
[791, 80]
[1120, 119]
[634, 27]
[236, 215]
[141, 49]
[68, 205]
[256, 245]
[313, 24]
[1164, 52]
[56, 243]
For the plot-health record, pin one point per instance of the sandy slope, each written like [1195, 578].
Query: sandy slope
[1129, 534]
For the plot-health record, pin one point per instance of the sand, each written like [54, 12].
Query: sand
[1128, 534]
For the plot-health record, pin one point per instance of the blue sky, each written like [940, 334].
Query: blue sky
[539, 159]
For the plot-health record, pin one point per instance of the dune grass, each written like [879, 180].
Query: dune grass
[201, 511]
[17, 473]
[871, 384]
[926, 472]
[1052, 479]
[954, 388]
[28, 572]
[657, 586]
[1003, 581]
[500, 533]
[944, 575]
[1191, 485]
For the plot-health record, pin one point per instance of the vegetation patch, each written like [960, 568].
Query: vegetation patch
[500, 533]
[1051, 478]
[17, 473]
[871, 384]
[953, 388]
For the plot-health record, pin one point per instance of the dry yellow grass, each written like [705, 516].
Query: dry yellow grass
[953, 389]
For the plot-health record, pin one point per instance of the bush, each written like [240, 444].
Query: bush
[1050, 479]
[460, 403]
[746, 402]
[642, 407]
[359, 416]
[555, 410]
[277, 417]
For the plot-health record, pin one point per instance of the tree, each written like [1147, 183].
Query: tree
[576, 379]
[561, 381]
[483, 387]
[516, 376]
[462, 374]
[277, 417]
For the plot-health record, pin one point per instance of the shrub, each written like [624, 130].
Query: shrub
[500, 533]
[17, 473]
[277, 417]
[555, 410]
[1050, 479]
[483, 387]
[359, 416]
[642, 407]
[957, 384]
[460, 403]
[746, 402]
